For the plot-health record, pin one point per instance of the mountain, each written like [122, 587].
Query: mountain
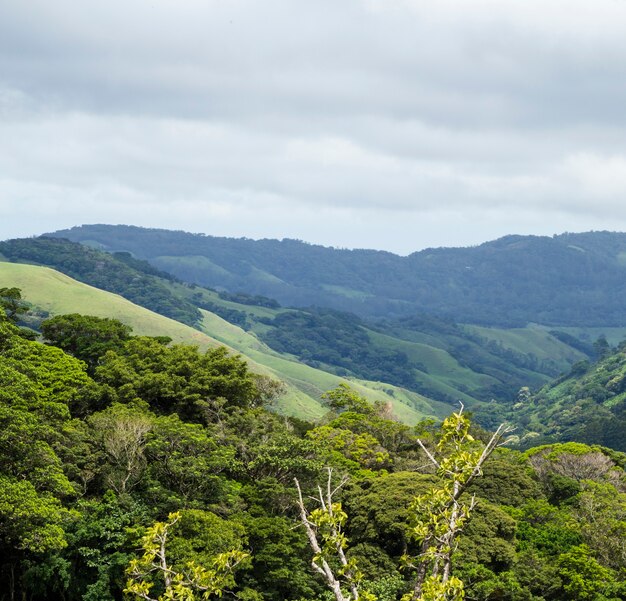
[586, 405]
[53, 293]
[434, 360]
[563, 281]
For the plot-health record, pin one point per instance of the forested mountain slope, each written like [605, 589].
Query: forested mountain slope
[588, 404]
[92, 462]
[56, 294]
[423, 354]
[566, 280]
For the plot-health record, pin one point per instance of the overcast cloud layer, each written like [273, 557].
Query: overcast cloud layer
[394, 124]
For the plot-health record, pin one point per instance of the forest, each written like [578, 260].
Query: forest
[118, 451]
[564, 280]
[423, 353]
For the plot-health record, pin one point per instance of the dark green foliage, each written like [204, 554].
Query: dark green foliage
[280, 563]
[133, 280]
[344, 343]
[12, 303]
[508, 480]
[177, 379]
[587, 405]
[84, 336]
[169, 428]
[143, 266]
[400, 351]
[570, 279]
[239, 318]
[337, 339]
[584, 347]
[247, 299]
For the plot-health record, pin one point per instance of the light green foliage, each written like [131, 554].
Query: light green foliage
[438, 516]
[35, 384]
[600, 511]
[583, 577]
[178, 378]
[192, 582]
[344, 447]
[121, 432]
[343, 398]
[29, 520]
[56, 376]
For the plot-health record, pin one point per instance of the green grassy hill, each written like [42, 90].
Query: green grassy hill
[588, 405]
[56, 294]
[315, 348]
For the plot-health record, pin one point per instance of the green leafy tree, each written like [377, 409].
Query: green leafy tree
[186, 465]
[12, 303]
[177, 378]
[584, 579]
[324, 528]
[154, 569]
[86, 337]
[436, 518]
[439, 516]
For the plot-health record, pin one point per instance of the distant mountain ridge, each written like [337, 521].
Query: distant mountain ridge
[564, 280]
[426, 355]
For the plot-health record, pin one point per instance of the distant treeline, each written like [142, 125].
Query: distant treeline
[566, 280]
[120, 273]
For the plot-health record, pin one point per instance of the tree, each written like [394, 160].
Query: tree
[86, 337]
[177, 585]
[436, 518]
[324, 529]
[12, 303]
[177, 378]
[121, 431]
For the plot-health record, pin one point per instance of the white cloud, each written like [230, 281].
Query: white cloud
[394, 124]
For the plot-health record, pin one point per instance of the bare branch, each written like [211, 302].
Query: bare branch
[428, 454]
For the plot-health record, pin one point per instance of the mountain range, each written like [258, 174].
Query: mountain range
[567, 280]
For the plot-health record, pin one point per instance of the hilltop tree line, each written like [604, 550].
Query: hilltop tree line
[109, 440]
[566, 280]
[119, 272]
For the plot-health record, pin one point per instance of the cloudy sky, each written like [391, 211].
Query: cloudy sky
[392, 124]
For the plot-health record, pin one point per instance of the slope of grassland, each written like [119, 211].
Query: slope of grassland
[537, 340]
[408, 406]
[441, 369]
[57, 294]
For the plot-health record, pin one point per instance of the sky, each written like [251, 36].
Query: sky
[387, 124]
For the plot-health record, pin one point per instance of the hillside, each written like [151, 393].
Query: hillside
[424, 355]
[120, 273]
[56, 294]
[567, 280]
[161, 471]
[587, 405]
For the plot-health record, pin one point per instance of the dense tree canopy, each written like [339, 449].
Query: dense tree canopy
[92, 463]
